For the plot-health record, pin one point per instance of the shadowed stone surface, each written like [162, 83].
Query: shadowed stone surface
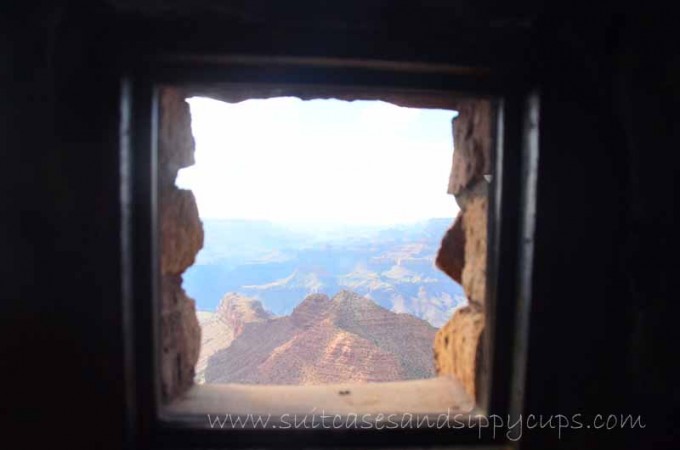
[179, 333]
[175, 139]
[181, 237]
[181, 230]
[451, 254]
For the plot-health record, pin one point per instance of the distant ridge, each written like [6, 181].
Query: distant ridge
[348, 338]
[279, 266]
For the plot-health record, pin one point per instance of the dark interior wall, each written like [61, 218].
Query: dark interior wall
[603, 329]
[60, 316]
[602, 325]
[649, 116]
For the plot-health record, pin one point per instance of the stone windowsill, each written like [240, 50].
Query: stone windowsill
[435, 396]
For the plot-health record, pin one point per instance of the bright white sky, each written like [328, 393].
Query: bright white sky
[288, 160]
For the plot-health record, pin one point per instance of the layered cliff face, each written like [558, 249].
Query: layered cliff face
[220, 328]
[344, 339]
[279, 264]
[236, 311]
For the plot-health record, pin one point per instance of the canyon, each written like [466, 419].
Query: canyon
[457, 345]
[346, 338]
[279, 264]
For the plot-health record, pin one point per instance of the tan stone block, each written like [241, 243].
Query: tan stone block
[456, 344]
[474, 271]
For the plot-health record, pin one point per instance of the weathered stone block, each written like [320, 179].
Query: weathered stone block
[451, 254]
[181, 230]
[473, 138]
[175, 139]
[456, 344]
[180, 337]
[474, 271]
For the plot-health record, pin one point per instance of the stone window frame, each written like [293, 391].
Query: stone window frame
[501, 370]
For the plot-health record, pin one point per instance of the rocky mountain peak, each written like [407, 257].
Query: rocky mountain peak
[238, 310]
[346, 339]
[347, 296]
[310, 309]
[350, 303]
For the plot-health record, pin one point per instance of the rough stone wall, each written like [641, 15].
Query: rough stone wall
[181, 237]
[472, 138]
[463, 251]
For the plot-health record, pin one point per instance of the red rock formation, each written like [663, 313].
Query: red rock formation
[218, 329]
[346, 339]
[236, 311]
[307, 313]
